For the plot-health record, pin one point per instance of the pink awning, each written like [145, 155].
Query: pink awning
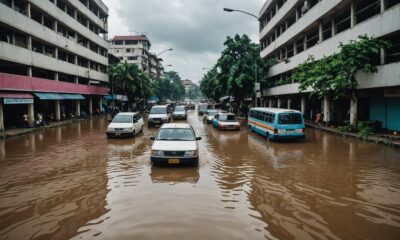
[16, 95]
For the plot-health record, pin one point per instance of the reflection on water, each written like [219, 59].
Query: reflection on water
[73, 182]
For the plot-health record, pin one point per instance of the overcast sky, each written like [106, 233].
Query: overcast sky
[195, 29]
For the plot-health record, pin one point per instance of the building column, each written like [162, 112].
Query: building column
[279, 103]
[31, 114]
[289, 103]
[297, 15]
[333, 27]
[55, 26]
[78, 108]
[29, 42]
[303, 104]
[90, 106]
[100, 103]
[270, 103]
[383, 5]
[76, 79]
[327, 109]
[1, 116]
[56, 52]
[352, 14]
[294, 48]
[58, 110]
[56, 76]
[353, 110]
[382, 56]
[321, 32]
[305, 43]
[28, 9]
[29, 72]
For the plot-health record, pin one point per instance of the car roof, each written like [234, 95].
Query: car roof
[127, 113]
[275, 110]
[159, 106]
[227, 113]
[176, 125]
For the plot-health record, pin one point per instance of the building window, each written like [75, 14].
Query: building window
[312, 38]
[327, 30]
[128, 50]
[131, 42]
[300, 45]
[393, 54]
[5, 35]
[342, 21]
[118, 42]
[367, 9]
[391, 3]
[20, 40]
[133, 58]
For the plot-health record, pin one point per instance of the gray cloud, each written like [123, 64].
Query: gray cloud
[196, 29]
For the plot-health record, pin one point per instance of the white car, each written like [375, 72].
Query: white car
[179, 113]
[175, 143]
[158, 115]
[126, 124]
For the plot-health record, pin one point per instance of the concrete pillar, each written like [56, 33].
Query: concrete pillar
[100, 103]
[320, 32]
[303, 105]
[56, 76]
[295, 48]
[31, 114]
[333, 27]
[382, 56]
[327, 109]
[297, 15]
[279, 103]
[56, 52]
[76, 79]
[28, 9]
[29, 72]
[12, 3]
[29, 42]
[76, 60]
[58, 110]
[75, 14]
[352, 14]
[55, 26]
[305, 42]
[289, 103]
[90, 106]
[1, 116]
[353, 110]
[78, 108]
[270, 103]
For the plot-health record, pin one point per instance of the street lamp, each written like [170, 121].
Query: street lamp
[255, 60]
[166, 50]
[204, 68]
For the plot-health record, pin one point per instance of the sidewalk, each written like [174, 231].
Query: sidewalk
[385, 139]
[21, 131]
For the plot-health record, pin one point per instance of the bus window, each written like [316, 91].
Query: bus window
[290, 118]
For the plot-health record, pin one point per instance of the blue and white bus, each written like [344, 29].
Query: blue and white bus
[276, 123]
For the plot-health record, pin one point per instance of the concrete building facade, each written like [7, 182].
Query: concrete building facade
[53, 58]
[292, 30]
[136, 50]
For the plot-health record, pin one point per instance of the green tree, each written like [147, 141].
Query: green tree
[194, 92]
[335, 76]
[169, 87]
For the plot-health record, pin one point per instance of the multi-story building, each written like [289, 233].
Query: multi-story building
[187, 84]
[291, 30]
[136, 50]
[53, 58]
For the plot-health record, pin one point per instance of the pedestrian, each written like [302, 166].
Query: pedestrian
[25, 120]
[318, 117]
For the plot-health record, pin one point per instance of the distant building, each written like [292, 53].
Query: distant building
[187, 84]
[53, 58]
[136, 50]
[292, 30]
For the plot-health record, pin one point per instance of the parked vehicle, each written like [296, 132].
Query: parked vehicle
[276, 123]
[158, 115]
[226, 121]
[175, 143]
[202, 109]
[125, 124]
[179, 113]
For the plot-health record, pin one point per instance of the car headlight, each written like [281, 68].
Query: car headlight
[157, 153]
[281, 131]
[128, 129]
[191, 153]
[110, 129]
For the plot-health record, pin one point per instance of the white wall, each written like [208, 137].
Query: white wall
[89, 14]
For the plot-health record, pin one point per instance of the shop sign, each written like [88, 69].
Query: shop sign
[18, 100]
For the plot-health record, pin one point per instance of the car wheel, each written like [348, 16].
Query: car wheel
[141, 129]
[133, 133]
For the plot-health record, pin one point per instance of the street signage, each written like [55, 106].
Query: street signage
[18, 100]
[257, 86]
[258, 94]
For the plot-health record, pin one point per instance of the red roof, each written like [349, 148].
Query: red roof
[122, 38]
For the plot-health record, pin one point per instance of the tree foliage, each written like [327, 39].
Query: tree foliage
[169, 87]
[194, 92]
[128, 79]
[335, 75]
[235, 71]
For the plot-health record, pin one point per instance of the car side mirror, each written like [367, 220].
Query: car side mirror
[152, 138]
[198, 138]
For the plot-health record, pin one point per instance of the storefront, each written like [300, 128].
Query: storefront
[12, 108]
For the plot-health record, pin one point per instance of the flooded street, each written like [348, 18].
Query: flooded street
[73, 182]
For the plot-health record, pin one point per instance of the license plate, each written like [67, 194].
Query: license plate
[289, 131]
[174, 161]
[156, 121]
[117, 134]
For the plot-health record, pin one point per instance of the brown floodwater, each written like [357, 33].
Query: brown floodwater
[73, 182]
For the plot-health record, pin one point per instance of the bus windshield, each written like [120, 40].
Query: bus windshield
[290, 118]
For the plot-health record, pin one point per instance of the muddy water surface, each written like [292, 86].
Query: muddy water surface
[73, 182]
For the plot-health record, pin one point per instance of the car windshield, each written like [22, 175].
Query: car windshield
[180, 109]
[175, 134]
[159, 110]
[122, 119]
[212, 113]
[203, 107]
[290, 118]
[227, 118]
